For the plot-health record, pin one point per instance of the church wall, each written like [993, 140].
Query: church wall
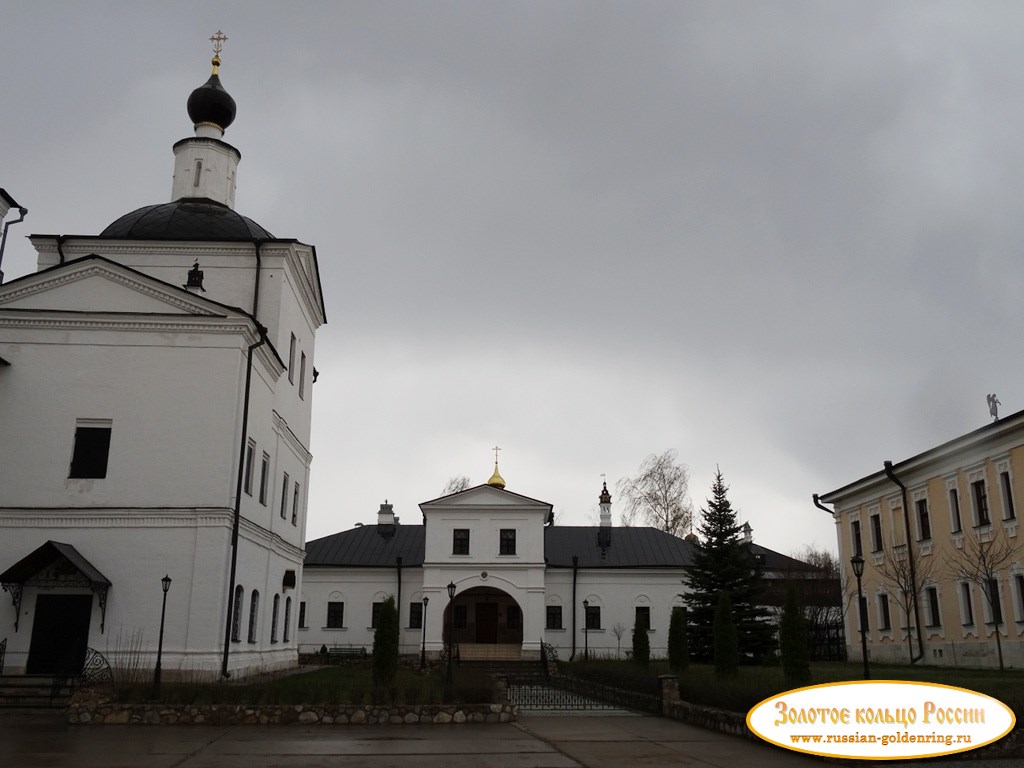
[172, 437]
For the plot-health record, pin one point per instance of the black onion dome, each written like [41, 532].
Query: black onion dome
[210, 103]
[190, 218]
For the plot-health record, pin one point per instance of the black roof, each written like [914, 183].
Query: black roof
[47, 554]
[190, 218]
[630, 548]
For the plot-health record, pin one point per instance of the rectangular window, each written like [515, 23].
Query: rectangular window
[1019, 578]
[924, 525]
[284, 496]
[302, 376]
[994, 602]
[250, 464]
[980, 502]
[375, 614]
[507, 541]
[415, 615]
[302, 614]
[514, 619]
[459, 616]
[335, 615]
[876, 533]
[295, 504]
[286, 634]
[855, 532]
[264, 478]
[965, 594]
[91, 450]
[954, 510]
[593, 618]
[291, 360]
[643, 616]
[1010, 513]
[460, 541]
[932, 595]
[554, 617]
[883, 609]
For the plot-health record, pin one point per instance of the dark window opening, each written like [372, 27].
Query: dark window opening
[1007, 496]
[593, 617]
[923, 520]
[254, 609]
[643, 616]
[514, 619]
[375, 614]
[264, 478]
[250, 462]
[92, 449]
[980, 501]
[883, 602]
[284, 497]
[335, 615]
[876, 533]
[554, 617]
[864, 625]
[302, 614]
[507, 542]
[415, 615]
[965, 591]
[460, 541]
[855, 530]
[459, 616]
[954, 508]
[934, 620]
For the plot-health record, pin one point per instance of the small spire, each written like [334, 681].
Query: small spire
[496, 479]
[605, 497]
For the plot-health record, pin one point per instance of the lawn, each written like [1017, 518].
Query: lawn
[328, 685]
[699, 685]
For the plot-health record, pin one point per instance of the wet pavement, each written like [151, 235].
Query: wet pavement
[536, 741]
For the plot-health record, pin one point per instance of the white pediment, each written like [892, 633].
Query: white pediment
[97, 285]
[484, 496]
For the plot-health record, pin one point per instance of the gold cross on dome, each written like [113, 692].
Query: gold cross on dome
[218, 42]
[495, 449]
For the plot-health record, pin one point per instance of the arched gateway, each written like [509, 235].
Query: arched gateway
[486, 623]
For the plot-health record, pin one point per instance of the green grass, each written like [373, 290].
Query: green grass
[329, 685]
[699, 685]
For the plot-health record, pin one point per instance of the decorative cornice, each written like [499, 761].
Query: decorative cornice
[212, 325]
[282, 428]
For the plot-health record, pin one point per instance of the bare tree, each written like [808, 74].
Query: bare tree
[818, 586]
[979, 561]
[618, 629]
[455, 484]
[901, 571]
[658, 495]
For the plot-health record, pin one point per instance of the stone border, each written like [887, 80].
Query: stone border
[107, 712]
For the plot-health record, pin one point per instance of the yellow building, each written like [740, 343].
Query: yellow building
[943, 566]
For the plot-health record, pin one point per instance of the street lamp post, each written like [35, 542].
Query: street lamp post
[423, 647]
[165, 584]
[586, 627]
[451, 642]
[857, 561]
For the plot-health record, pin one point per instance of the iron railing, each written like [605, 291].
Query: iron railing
[3, 652]
[93, 670]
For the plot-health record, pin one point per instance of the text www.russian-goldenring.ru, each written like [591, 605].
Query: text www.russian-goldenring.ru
[885, 739]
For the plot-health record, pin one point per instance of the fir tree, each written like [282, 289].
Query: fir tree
[641, 644]
[678, 652]
[385, 644]
[796, 665]
[726, 642]
[723, 562]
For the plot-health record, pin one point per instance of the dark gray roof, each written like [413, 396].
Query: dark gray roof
[630, 548]
[190, 218]
[48, 553]
[363, 546]
[776, 561]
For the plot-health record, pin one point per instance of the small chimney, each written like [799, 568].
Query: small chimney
[386, 520]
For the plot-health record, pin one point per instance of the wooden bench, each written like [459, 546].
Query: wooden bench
[346, 652]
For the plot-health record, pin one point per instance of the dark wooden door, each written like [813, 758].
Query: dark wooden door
[487, 622]
[60, 634]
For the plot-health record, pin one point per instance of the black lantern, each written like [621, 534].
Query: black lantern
[165, 584]
[857, 562]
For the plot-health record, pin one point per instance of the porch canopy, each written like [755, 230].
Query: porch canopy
[55, 564]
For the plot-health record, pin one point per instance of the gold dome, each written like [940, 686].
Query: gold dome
[496, 479]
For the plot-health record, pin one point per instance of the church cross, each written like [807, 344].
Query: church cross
[496, 449]
[218, 42]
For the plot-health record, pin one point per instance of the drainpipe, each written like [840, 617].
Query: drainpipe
[256, 284]
[3, 239]
[575, 567]
[238, 498]
[398, 567]
[910, 559]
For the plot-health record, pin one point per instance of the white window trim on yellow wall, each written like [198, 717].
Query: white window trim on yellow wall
[969, 630]
[976, 473]
[851, 518]
[1002, 464]
[953, 484]
[877, 555]
[897, 527]
[889, 633]
[938, 630]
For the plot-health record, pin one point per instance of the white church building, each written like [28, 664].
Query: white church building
[155, 395]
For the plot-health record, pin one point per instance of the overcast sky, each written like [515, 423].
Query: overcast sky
[782, 238]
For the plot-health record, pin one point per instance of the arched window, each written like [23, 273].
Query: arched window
[273, 619]
[287, 618]
[236, 614]
[254, 608]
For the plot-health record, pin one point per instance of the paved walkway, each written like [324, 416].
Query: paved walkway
[536, 741]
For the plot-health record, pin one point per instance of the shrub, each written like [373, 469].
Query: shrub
[385, 644]
[641, 645]
[678, 651]
[726, 643]
[796, 666]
